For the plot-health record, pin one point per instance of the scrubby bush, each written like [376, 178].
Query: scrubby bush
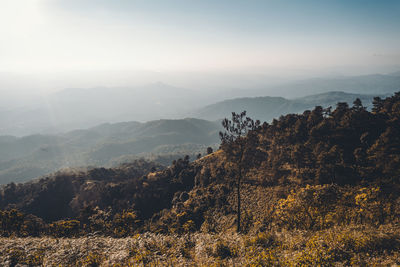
[64, 228]
[222, 250]
[125, 223]
[311, 207]
[324, 206]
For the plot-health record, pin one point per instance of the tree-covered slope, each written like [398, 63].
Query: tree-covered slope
[301, 170]
[22, 159]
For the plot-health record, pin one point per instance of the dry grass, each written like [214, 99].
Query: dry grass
[265, 243]
[340, 246]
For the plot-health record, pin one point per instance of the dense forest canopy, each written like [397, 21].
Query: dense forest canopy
[344, 146]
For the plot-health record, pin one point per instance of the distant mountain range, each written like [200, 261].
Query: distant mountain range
[74, 108]
[364, 84]
[84, 108]
[23, 158]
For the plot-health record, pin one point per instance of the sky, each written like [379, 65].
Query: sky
[40, 36]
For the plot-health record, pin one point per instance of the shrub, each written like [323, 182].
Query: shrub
[125, 223]
[222, 250]
[311, 207]
[64, 228]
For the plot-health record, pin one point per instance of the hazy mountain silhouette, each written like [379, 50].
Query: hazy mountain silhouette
[266, 108]
[83, 108]
[374, 84]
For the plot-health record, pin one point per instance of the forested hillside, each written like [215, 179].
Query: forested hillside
[321, 187]
[25, 158]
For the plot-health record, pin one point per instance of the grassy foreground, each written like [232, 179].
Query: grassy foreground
[337, 246]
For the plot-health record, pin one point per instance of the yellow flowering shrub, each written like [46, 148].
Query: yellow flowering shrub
[310, 207]
[125, 223]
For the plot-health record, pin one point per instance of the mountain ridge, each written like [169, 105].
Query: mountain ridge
[269, 107]
[101, 145]
[70, 109]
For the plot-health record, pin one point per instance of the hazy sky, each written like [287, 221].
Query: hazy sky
[165, 35]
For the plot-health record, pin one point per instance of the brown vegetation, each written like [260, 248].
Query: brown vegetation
[360, 246]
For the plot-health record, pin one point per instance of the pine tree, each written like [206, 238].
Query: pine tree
[235, 143]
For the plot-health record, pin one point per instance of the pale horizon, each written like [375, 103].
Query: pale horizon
[67, 64]
[41, 36]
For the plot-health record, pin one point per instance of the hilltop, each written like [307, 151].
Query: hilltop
[346, 146]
